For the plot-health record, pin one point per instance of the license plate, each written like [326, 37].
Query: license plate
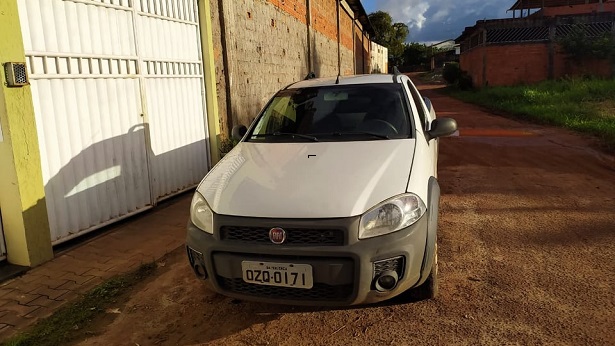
[278, 274]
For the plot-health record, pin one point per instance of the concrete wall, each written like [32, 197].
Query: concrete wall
[361, 50]
[379, 58]
[263, 45]
[22, 194]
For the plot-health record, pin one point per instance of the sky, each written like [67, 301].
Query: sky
[433, 21]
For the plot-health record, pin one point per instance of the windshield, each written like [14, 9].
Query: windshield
[335, 113]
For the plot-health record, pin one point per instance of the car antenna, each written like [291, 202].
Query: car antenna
[310, 75]
[337, 81]
[396, 74]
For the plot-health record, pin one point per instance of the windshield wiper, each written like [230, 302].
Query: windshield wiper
[354, 133]
[277, 134]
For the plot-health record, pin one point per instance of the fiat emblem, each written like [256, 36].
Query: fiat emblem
[277, 235]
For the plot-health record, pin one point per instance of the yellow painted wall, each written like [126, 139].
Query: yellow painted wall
[209, 72]
[22, 195]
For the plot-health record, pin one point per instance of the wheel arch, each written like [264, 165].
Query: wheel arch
[433, 206]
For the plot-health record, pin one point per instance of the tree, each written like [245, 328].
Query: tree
[417, 54]
[388, 34]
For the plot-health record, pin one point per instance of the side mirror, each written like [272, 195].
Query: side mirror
[238, 132]
[442, 127]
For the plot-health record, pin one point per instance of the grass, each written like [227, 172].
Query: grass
[586, 106]
[65, 324]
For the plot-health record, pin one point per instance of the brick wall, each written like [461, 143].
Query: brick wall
[564, 66]
[219, 66]
[269, 44]
[577, 9]
[490, 58]
[359, 54]
[348, 65]
[506, 64]
[510, 64]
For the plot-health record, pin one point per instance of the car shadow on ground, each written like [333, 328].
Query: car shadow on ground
[407, 297]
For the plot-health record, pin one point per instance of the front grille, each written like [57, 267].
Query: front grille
[294, 236]
[395, 264]
[319, 292]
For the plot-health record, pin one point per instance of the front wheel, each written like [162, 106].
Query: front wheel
[429, 288]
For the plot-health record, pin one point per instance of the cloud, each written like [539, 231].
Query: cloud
[411, 12]
[438, 20]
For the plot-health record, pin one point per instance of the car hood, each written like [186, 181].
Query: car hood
[308, 180]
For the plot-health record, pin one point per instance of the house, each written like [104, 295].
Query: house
[443, 52]
[552, 8]
[525, 49]
[108, 107]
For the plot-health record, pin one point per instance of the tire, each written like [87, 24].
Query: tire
[429, 288]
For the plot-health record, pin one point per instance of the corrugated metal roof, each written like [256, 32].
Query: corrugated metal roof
[361, 15]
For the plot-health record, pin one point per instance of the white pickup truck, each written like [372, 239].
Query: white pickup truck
[330, 197]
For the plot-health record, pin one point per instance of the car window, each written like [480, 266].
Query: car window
[336, 113]
[419, 105]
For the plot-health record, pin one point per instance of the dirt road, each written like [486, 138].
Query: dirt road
[526, 253]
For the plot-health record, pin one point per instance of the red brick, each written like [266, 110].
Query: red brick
[78, 279]
[5, 290]
[90, 284]
[55, 282]
[17, 320]
[71, 286]
[20, 297]
[577, 9]
[25, 287]
[49, 292]
[46, 302]
[16, 309]
[512, 64]
[4, 327]
[98, 273]
[7, 332]
[69, 296]
[42, 312]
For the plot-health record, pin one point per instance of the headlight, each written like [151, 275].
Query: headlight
[201, 214]
[391, 215]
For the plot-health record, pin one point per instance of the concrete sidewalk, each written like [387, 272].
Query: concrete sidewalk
[118, 249]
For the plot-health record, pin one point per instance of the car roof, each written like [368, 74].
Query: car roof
[344, 80]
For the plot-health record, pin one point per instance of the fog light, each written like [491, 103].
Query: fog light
[197, 263]
[200, 271]
[387, 281]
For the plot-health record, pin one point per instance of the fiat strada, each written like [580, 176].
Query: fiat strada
[329, 198]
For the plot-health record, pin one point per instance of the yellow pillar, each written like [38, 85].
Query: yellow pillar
[22, 195]
[209, 73]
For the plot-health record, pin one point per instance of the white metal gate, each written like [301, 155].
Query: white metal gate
[118, 95]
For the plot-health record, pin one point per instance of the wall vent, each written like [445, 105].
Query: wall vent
[16, 74]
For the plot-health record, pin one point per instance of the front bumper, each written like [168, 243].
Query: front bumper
[343, 272]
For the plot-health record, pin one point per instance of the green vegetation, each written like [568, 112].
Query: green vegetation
[453, 75]
[586, 106]
[388, 34]
[451, 72]
[65, 324]
[579, 46]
